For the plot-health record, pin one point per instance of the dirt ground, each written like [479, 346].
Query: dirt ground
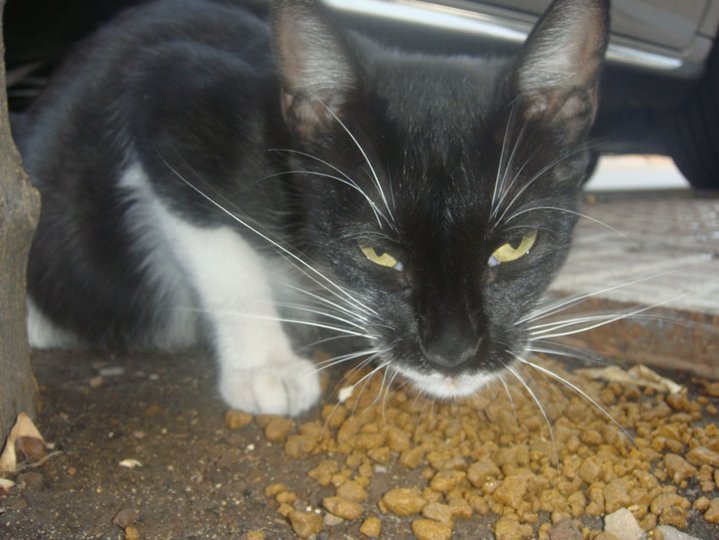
[196, 478]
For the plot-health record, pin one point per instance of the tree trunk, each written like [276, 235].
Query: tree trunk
[19, 209]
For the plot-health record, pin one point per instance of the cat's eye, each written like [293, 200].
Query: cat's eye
[381, 257]
[514, 249]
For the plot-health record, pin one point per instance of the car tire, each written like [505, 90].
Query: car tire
[693, 135]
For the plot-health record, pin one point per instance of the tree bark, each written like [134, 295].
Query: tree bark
[19, 211]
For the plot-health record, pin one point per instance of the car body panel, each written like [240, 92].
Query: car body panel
[669, 36]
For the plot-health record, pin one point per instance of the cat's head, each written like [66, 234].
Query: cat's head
[439, 192]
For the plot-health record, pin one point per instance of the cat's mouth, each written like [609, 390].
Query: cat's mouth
[445, 386]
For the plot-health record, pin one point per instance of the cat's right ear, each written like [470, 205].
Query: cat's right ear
[557, 73]
[318, 72]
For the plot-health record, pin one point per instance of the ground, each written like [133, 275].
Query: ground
[196, 478]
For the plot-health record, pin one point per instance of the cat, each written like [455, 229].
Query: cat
[210, 177]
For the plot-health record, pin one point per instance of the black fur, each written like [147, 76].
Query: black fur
[190, 88]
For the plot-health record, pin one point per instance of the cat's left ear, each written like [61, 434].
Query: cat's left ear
[557, 73]
[318, 72]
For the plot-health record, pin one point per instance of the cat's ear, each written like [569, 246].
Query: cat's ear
[558, 69]
[318, 72]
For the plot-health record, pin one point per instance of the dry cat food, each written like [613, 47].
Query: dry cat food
[495, 457]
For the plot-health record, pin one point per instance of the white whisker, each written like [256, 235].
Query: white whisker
[339, 291]
[534, 397]
[576, 389]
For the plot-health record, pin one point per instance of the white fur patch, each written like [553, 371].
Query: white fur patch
[44, 334]
[443, 386]
[259, 373]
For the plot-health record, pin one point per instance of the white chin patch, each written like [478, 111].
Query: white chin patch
[447, 386]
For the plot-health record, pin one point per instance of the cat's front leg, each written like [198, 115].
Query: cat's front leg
[259, 372]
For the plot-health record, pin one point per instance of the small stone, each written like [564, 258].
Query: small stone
[125, 518]
[343, 508]
[623, 525]
[564, 530]
[671, 533]
[712, 513]
[429, 529]
[255, 535]
[330, 520]
[371, 527]
[305, 524]
[403, 501]
[237, 419]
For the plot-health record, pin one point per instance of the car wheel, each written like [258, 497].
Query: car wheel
[693, 138]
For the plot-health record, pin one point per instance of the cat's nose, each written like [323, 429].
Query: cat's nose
[452, 349]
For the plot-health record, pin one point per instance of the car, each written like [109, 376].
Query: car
[660, 90]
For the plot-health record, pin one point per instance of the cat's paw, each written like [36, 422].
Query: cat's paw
[284, 388]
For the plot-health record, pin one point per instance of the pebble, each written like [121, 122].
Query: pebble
[125, 518]
[670, 533]
[255, 535]
[623, 525]
[564, 530]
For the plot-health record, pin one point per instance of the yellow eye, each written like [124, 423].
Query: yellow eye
[511, 251]
[382, 258]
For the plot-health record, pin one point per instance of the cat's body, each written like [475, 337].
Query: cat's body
[194, 191]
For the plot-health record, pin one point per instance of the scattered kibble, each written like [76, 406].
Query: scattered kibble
[237, 419]
[495, 454]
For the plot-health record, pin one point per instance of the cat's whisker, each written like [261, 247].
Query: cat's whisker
[343, 358]
[305, 309]
[374, 176]
[505, 186]
[334, 288]
[575, 389]
[379, 215]
[557, 349]
[572, 212]
[532, 180]
[360, 317]
[511, 399]
[497, 188]
[566, 303]
[601, 320]
[314, 324]
[534, 397]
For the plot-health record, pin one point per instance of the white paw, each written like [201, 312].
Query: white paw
[285, 388]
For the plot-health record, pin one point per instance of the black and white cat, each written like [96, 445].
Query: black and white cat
[207, 178]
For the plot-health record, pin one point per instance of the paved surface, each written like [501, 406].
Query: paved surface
[651, 248]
